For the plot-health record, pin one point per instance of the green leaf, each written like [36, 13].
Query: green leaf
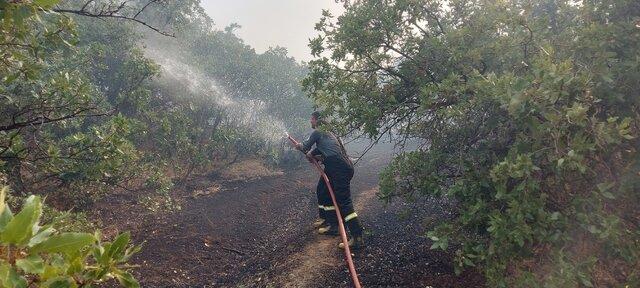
[118, 246]
[19, 230]
[585, 281]
[40, 237]
[3, 195]
[23, 12]
[76, 265]
[604, 187]
[608, 195]
[468, 262]
[46, 3]
[32, 264]
[60, 282]
[51, 272]
[67, 243]
[5, 212]
[5, 218]
[9, 277]
[130, 252]
[127, 280]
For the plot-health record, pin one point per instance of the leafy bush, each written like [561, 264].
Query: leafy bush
[528, 119]
[35, 255]
[83, 110]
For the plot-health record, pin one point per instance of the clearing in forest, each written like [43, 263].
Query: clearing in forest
[257, 232]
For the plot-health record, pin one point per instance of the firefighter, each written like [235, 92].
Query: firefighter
[339, 170]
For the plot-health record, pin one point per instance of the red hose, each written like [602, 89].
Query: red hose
[343, 233]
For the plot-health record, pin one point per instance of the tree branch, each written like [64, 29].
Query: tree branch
[114, 12]
[44, 119]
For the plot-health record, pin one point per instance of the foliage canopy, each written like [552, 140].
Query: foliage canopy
[527, 115]
[85, 111]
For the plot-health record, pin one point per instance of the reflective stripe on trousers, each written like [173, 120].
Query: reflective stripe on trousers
[350, 216]
[327, 208]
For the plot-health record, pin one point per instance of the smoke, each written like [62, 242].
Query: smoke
[249, 113]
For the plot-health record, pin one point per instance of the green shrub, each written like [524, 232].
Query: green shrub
[35, 255]
[527, 115]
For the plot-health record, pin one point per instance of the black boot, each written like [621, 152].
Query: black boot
[330, 225]
[321, 222]
[355, 243]
[355, 229]
[331, 230]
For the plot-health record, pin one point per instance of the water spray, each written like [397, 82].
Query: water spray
[343, 233]
[248, 112]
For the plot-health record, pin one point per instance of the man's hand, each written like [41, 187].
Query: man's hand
[311, 157]
[299, 146]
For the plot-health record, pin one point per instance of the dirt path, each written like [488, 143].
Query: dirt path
[309, 265]
[258, 234]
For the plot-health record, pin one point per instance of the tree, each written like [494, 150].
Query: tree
[85, 111]
[525, 115]
[59, 124]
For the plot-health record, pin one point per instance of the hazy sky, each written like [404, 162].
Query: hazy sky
[269, 23]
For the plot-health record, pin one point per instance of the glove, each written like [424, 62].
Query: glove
[309, 156]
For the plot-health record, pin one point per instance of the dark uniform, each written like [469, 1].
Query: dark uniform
[339, 170]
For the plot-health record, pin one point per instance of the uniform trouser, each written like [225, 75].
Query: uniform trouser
[324, 200]
[340, 174]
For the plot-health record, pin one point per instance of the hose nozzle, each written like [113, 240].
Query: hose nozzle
[293, 141]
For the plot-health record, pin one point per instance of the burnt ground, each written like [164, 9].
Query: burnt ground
[258, 233]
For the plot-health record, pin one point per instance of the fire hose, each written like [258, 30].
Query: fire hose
[343, 233]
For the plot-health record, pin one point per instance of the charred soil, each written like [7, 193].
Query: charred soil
[258, 233]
